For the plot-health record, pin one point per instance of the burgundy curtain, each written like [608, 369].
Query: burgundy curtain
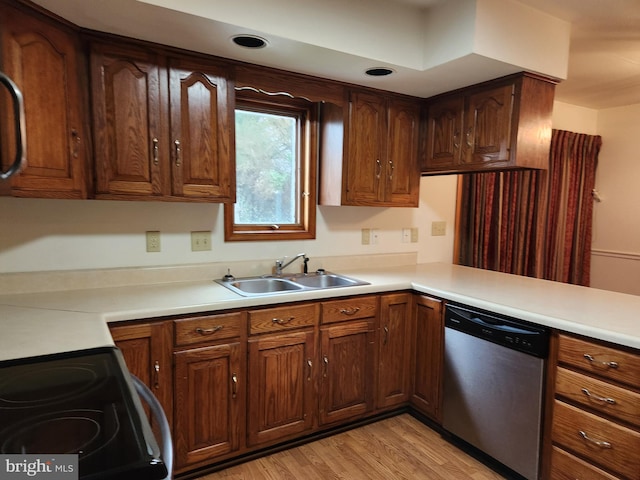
[532, 222]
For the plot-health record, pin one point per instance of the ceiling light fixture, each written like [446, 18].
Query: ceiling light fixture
[249, 41]
[379, 72]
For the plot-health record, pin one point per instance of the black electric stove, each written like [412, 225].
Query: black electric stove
[82, 403]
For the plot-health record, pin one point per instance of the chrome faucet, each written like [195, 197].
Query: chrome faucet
[280, 265]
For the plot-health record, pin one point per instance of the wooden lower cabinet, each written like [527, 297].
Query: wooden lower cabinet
[347, 366]
[281, 386]
[146, 348]
[394, 350]
[209, 392]
[428, 352]
[595, 425]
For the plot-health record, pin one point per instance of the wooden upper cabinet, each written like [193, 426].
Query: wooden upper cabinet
[161, 132]
[128, 122]
[43, 58]
[369, 151]
[498, 125]
[202, 118]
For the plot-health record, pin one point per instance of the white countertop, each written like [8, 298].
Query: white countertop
[40, 323]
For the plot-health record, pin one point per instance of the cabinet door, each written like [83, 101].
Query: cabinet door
[487, 135]
[402, 170]
[146, 349]
[444, 134]
[366, 168]
[346, 389]
[394, 350]
[209, 401]
[131, 145]
[281, 386]
[202, 123]
[44, 61]
[428, 354]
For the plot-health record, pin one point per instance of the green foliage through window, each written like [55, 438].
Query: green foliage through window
[266, 168]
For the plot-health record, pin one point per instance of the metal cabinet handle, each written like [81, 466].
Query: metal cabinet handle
[468, 137]
[155, 151]
[391, 168]
[598, 398]
[386, 335]
[156, 375]
[456, 139]
[599, 443]
[76, 142]
[599, 363]
[378, 168]
[310, 365]
[20, 128]
[350, 311]
[178, 153]
[209, 331]
[234, 385]
[282, 321]
[325, 360]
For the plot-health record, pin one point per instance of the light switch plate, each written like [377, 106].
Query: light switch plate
[438, 229]
[200, 241]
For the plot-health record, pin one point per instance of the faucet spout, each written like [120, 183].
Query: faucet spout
[281, 265]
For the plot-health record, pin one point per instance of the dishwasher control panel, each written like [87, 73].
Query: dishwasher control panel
[500, 329]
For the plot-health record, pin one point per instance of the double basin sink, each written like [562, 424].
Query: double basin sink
[273, 285]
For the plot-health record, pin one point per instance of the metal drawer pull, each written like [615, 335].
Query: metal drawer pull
[599, 443]
[234, 385]
[209, 331]
[310, 365]
[602, 364]
[156, 374]
[378, 168]
[350, 311]
[76, 142]
[326, 365]
[391, 169]
[598, 398]
[386, 335]
[282, 321]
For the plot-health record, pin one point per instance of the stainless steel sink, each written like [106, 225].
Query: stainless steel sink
[273, 285]
[327, 280]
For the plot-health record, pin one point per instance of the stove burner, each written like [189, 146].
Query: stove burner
[82, 432]
[46, 385]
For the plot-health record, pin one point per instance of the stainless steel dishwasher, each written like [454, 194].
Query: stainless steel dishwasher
[494, 372]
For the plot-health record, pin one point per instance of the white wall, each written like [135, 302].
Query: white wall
[615, 254]
[48, 235]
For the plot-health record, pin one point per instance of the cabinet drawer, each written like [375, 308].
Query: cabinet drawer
[565, 466]
[600, 360]
[350, 309]
[606, 444]
[205, 329]
[598, 395]
[282, 318]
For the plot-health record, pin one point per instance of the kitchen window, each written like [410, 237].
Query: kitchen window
[276, 144]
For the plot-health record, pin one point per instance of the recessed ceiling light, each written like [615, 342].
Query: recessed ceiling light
[249, 41]
[379, 71]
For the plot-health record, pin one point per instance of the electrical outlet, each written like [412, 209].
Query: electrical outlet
[414, 235]
[366, 236]
[438, 229]
[375, 236]
[153, 241]
[200, 241]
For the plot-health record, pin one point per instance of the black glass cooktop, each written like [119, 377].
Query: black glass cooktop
[80, 403]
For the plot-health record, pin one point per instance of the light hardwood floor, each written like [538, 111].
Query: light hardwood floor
[392, 449]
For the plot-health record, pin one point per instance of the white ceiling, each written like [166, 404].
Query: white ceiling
[603, 58]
